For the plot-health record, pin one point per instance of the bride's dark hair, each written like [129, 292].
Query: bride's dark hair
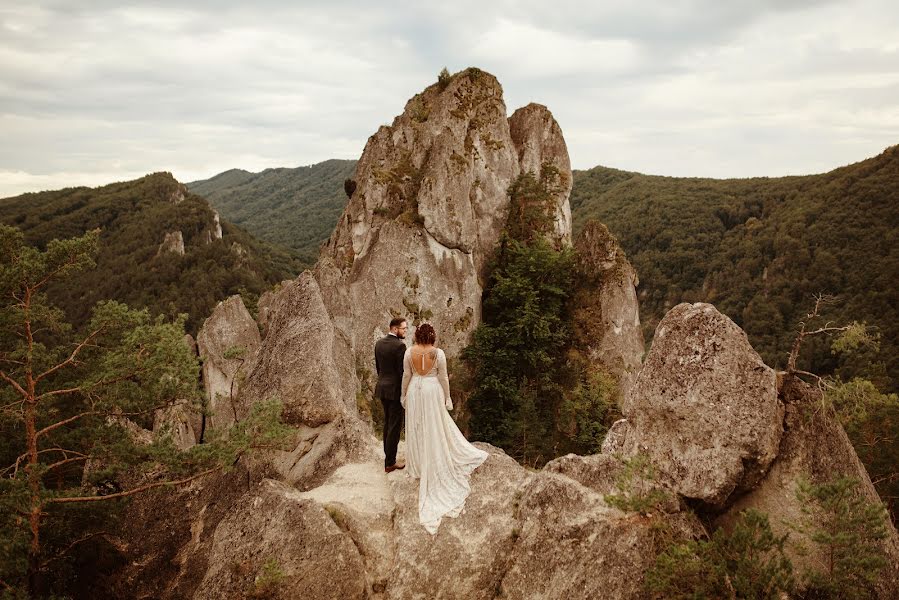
[425, 334]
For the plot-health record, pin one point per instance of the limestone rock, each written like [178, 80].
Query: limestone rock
[306, 363]
[704, 407]
[428, 209]
[573, 545]
[814, 448]
[181, 421]
[173, 242]
[539, 142]
[303, 550]
[468, 556]
[229, 327]
[613, 443]
[606, 310]
[265, 304]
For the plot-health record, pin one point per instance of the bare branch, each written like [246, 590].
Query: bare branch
[136, 490]
[71, 357]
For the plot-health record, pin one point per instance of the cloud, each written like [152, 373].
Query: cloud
[94, 90]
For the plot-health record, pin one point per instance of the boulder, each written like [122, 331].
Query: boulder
[815, 449]
[306, 363]
[276, 544]
[704, 407]
[468, 556]
[231, 330]
[572, 544]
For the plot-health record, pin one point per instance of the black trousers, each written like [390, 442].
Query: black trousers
[394, 413]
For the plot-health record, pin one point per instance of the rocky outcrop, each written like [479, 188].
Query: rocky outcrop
[276, 544]
[172, 242]
[605, 307]
[265, 303]
[429, 205]
[182, 421]
[228, 342]
[307, 364]
[814, 449]
[538, 140]
[214, 232]
[704, 407]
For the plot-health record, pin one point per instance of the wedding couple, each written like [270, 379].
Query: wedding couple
[413, 383]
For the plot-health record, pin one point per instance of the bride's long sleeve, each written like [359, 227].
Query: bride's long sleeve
[443, 377]
[407, 375]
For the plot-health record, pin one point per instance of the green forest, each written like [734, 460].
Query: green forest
[133, 218]
[294, 208]
[759, 249]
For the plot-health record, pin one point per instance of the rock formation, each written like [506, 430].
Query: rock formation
[606, 311]
[323, 520]
[227, 342]
[704, 407]
[172, 242]
[815, 449]
[429, 205]
[307, 364]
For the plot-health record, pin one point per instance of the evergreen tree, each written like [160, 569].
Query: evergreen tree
[71, 403]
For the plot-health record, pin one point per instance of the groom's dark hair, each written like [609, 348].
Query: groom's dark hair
[425, 334]
[396, 322]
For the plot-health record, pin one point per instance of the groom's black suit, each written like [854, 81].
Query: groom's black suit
[389, 351]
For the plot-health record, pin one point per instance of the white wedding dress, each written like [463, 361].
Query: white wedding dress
[436, 451]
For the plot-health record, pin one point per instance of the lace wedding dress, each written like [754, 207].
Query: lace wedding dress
[436, 451]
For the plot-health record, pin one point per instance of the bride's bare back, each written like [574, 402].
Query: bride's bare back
[423, 358]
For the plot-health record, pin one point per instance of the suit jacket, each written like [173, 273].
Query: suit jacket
[389, 352]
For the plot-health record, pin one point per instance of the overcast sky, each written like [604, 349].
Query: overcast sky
[95, 92]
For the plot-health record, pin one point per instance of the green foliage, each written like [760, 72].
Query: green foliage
[871, 420]
[847, 529]
[75, 404]
[292, 208]
[443, 79]
[747, 561]
[515, 352]
[132, 218]
[637, 490]
[266, 583]
[531, 394]
[760, 248]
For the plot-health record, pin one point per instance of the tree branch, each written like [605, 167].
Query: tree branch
[66, 461]
[58, 424]
[14, 383]
[137, 490]
[71, 357]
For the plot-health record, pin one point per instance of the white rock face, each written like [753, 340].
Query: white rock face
[173, 242]
[704, 407]
[230, 326]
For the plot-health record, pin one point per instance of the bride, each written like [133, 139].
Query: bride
[436, 451]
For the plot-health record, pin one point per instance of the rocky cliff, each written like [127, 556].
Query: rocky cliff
[429, 205]
[719, 431]
[321, 519]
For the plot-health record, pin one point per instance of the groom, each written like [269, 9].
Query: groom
[389, 351]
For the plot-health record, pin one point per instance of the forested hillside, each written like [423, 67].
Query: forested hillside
[760, 248]
[134, 218]
[296, 208]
